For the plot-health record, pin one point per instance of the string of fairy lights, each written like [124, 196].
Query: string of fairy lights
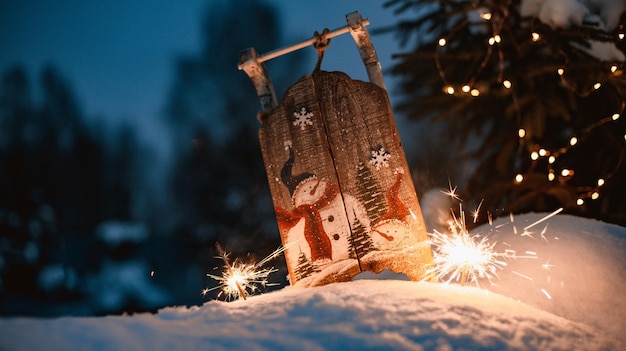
[495, 19]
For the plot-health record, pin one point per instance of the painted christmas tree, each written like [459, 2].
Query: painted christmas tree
[369, 193]
[360, 240]
[304, 267]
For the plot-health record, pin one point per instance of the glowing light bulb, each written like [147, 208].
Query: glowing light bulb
[507, 84]
[613, 68]
[534, 155]
[573, 141]
[492, 41]
[466, 88]
[475, 92]
[449, 89]
[497, 38]
[597, 86]
[560, 71]
[600, 182]
[535, 36]
[595, 195]
[486, 16]
[551, 176]
[551, 159]
[519, 178]
[615, 116]
[580, 202]
[566, 172]
[521, 132]
[443, 42]
[620, 36]
[543, 152]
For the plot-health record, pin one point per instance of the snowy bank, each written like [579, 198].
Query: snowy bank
[392, 314]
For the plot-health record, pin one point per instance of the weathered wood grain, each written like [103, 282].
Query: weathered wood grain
[340, 182]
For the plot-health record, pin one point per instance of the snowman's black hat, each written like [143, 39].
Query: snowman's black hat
[290, 180]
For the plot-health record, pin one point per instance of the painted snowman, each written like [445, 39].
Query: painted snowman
[318, 225]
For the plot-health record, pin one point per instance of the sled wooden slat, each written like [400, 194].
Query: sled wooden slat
[340, 183]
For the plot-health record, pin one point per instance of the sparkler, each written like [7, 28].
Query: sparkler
[239, 280]
[464, 257]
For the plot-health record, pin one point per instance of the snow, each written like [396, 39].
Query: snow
[585, 312]
[603, 14]
[115, 233]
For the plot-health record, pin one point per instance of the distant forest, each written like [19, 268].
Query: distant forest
[95, 221]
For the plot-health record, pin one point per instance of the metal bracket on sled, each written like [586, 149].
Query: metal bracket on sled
[252, 64]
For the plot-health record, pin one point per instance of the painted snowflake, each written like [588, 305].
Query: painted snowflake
[380, 157]
[302, 118]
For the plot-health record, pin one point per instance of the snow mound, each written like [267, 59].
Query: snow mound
[363, 314]
[587, 288]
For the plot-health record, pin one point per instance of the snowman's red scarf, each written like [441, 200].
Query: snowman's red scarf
[314, 233]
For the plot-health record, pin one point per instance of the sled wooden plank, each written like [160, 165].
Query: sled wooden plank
[372, 168]
[304, 187]
[337, 137]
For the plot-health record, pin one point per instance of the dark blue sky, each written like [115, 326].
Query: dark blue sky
[119, 54]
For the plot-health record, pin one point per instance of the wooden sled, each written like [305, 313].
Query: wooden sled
[341, 187]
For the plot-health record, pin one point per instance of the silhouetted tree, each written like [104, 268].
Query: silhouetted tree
[218, 183]
[533, 108]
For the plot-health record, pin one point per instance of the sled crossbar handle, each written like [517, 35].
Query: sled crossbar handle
[252, 63]
[286, 50]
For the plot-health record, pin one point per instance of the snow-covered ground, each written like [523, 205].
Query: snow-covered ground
[568, 294]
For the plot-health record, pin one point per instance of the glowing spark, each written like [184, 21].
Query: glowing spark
[241, 279]
[543, 232]
[546, 293]
[522, 275]
[546, 266]
[477, 211]
[452, 192]
[544, 218]
[463, 258]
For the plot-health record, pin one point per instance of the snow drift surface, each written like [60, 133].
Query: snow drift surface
[386, 314]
